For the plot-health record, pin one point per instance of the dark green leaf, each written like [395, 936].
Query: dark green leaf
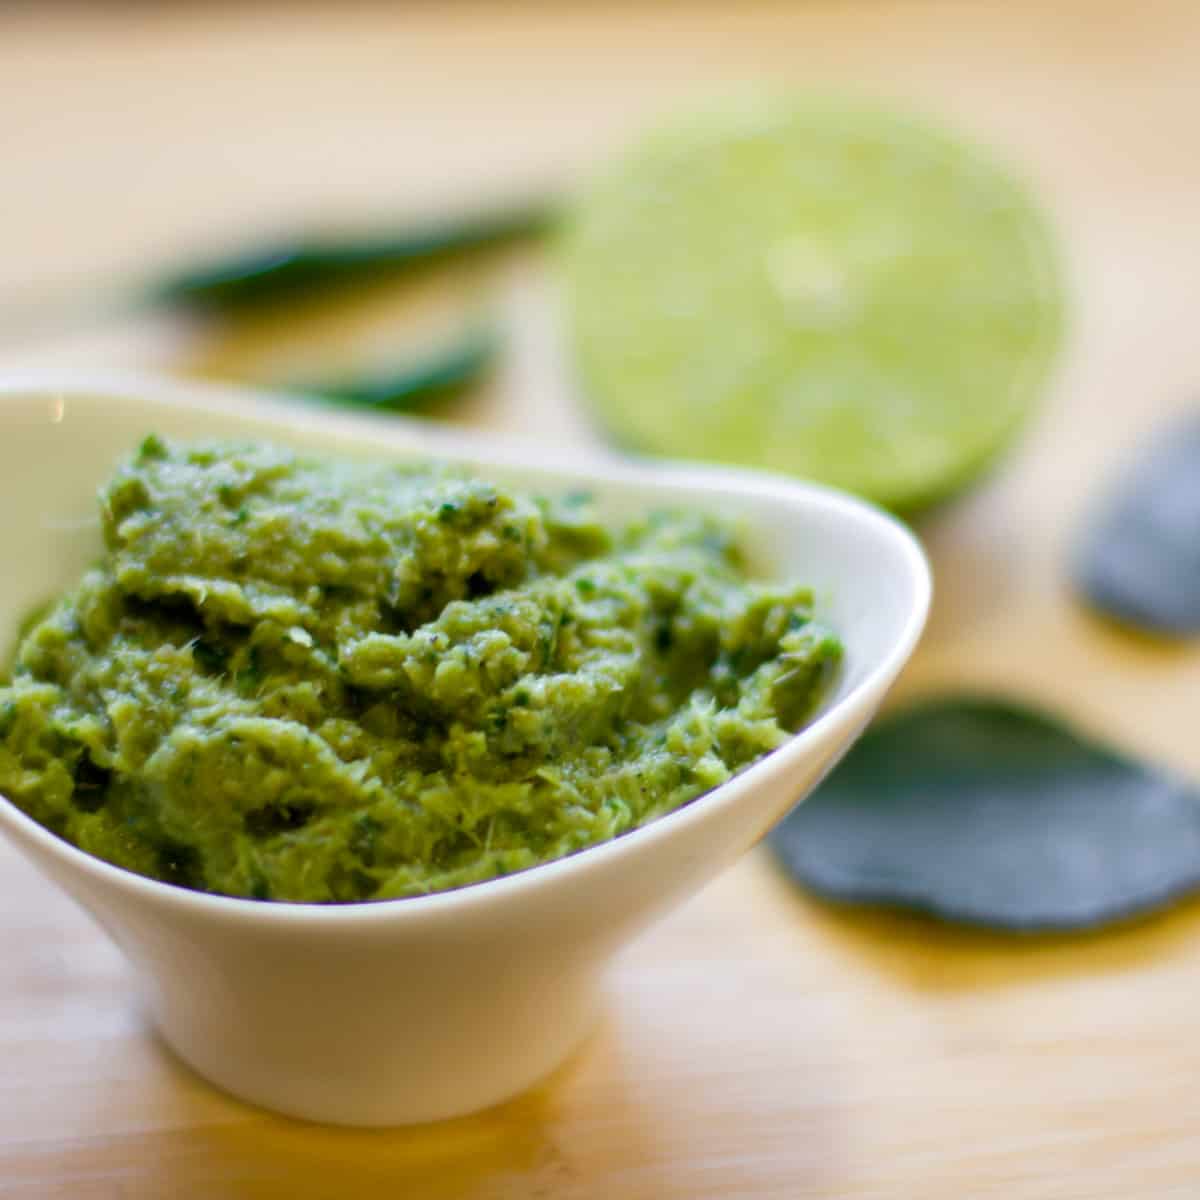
[976, 810]
[1140, 558]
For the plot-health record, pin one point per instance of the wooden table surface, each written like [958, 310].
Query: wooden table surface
[756, 1043]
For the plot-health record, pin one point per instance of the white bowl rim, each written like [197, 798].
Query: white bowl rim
[512, 450]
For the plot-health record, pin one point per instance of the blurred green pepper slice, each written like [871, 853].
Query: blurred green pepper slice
[415, 386]
[291, 268]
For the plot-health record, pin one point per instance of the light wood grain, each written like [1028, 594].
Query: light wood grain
[756, 1044]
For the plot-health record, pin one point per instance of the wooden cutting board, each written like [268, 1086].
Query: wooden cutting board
[757, 1043]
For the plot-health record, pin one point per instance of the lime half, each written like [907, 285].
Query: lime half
[815, 286]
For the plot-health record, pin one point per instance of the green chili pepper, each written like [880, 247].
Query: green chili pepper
[418, 385]
[294, 267]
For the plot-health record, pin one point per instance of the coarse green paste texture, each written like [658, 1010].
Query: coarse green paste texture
[304, 679]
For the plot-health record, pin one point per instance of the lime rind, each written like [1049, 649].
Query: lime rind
[818, 286]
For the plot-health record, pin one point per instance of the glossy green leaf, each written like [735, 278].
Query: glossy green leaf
[1139, 560]
[979, 811]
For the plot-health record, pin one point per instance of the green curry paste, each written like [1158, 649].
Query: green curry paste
[303, 679]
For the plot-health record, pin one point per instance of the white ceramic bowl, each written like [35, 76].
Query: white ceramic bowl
[418, 1009]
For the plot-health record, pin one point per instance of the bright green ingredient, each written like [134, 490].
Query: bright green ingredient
[314, 680]
[814, 286]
